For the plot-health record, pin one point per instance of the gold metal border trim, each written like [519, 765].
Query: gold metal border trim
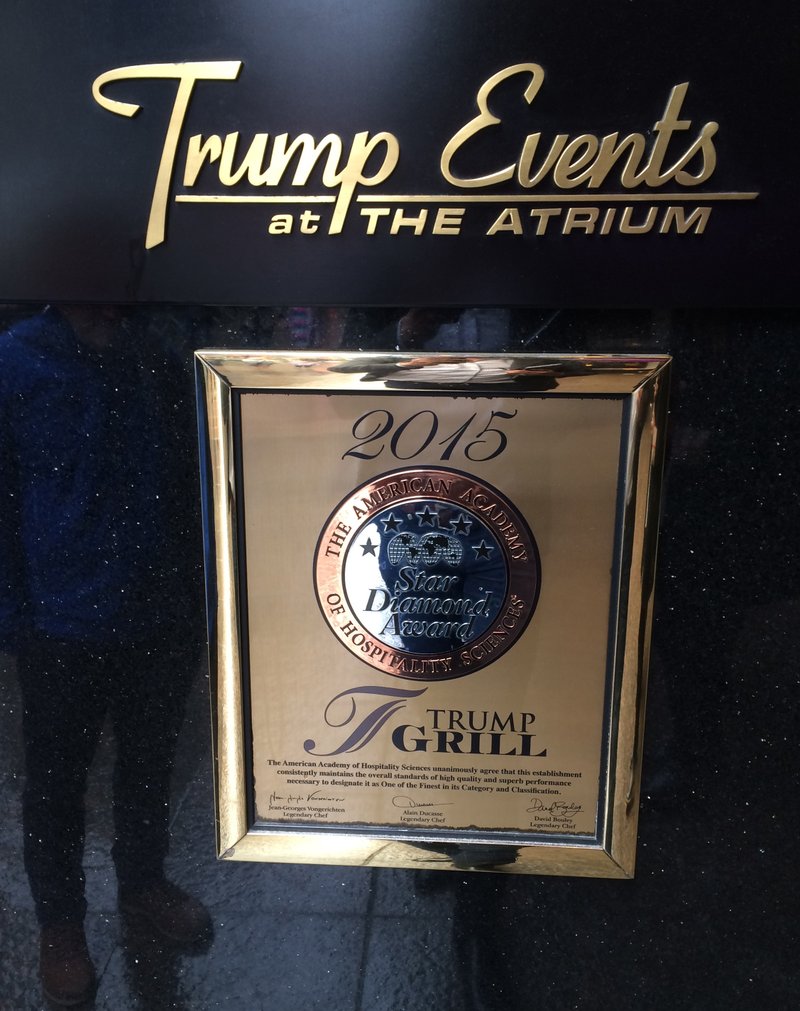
[642, 379]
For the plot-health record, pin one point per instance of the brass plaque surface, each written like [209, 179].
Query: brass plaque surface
[428, 634]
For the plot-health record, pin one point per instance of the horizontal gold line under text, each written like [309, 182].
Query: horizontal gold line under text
[431, 198]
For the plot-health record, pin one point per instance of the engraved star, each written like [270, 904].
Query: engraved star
[391, 523]
[461, 525]
[368, 548]
[482, 550]
[428, 517]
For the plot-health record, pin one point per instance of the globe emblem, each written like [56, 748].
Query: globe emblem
[428, 549]
[436, 546]
[403, 546]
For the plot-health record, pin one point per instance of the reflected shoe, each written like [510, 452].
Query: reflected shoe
[170, 912]
[65, 968]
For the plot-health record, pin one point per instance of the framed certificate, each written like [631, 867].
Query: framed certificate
[429, 596]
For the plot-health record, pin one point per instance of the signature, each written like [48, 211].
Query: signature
[317, 796]
[320, 795]
[557, 807]
[409, 804]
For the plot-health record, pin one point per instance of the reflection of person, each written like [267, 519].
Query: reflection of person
[97, 599]
[462, 330]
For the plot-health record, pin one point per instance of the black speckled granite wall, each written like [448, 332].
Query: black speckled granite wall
[710, 921]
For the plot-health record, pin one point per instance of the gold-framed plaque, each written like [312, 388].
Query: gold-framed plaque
[430, 595]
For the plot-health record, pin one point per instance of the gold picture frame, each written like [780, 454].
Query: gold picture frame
[429, 584]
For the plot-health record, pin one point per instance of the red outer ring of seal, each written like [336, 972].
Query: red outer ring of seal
[468, 493]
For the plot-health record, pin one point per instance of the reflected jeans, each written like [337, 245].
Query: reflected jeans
[68, 688]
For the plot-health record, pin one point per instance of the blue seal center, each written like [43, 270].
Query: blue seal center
[426, 576]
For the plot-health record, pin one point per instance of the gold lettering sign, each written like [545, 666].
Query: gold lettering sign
[614, 173]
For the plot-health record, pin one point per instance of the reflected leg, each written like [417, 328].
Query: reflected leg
[152, 684]
[64, 701]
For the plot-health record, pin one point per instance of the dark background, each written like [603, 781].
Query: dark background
[710, 920]
[78, 180]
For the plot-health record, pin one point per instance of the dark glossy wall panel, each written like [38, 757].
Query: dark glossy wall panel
[100, 544]
[710, 918]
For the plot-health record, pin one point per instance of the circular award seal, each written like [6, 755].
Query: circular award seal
[426, 574]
